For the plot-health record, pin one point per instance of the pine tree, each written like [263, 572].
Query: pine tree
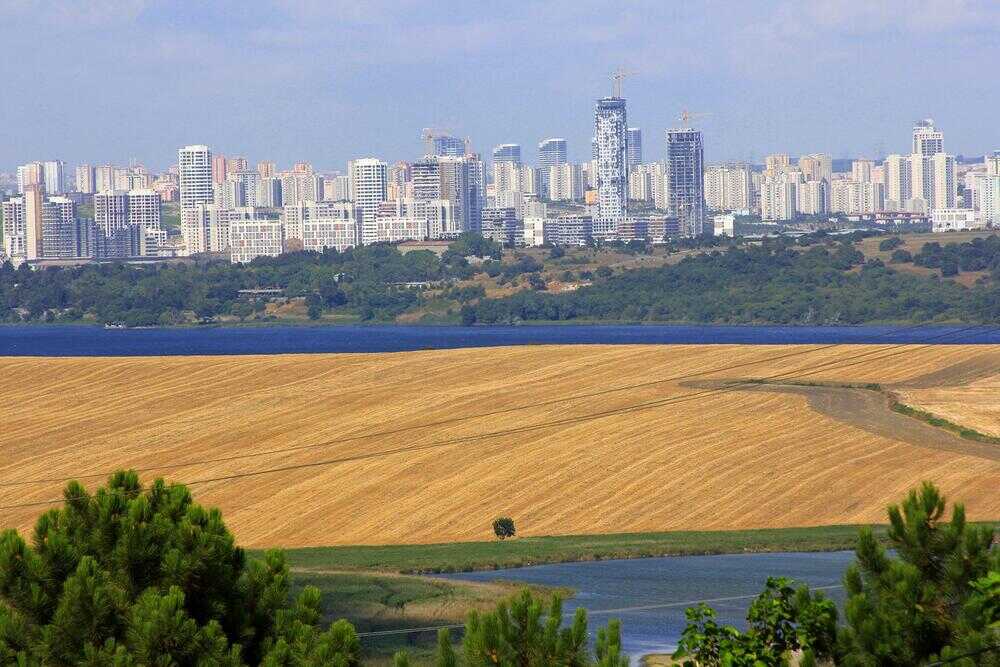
[129, 576]
[909, 608]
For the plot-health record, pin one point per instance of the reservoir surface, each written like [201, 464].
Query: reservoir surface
[88, 341]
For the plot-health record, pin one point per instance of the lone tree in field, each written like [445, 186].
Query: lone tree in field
[503, 527]
[131, 576]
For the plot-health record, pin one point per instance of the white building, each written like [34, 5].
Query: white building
[395, 229]
[724, 224]
[611, 155]
[53, 176]
[298, 187]
[861, 171]
[927, 140]
[13, 228]
[566, 182]
[369, 181]
[252, 238]
[955, 220]
[729, 187]
[205, 227]
[989, 199]
[854, 197]
[318, 234]
[811, 197]
[295, 216]
[194, 165]
[85, 179]
[898, 182]
[779, 196]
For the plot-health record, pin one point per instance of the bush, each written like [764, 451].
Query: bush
[900, 257]
[890, 244]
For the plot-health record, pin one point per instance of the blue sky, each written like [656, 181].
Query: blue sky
[325, 81]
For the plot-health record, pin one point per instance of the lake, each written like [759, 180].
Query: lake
[88, 341]
[649, 595]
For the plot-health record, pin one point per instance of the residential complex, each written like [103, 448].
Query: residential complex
[230, 207]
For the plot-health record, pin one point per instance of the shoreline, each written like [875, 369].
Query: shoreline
[456, 557]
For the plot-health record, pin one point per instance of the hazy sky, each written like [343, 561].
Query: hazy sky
[325, 80]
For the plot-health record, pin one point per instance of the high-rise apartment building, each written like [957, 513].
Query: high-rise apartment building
[85, 179]
[301, 186]
[369, 183]
[507, 153]
[13, 229]
[685, 180]
[945, 181]
[219, 169]
[565, 182]
[104, 178]
[811, 197]
[54, 176]
[776, 164]
[266, 169]
[551, 152]
[861, 170]
[779, 195]
[611, 147]
[236, 164]
[816, 167]
[898, 186]
[445, 145]
[195, 172]
[33, 221]
[30, 174]
[125, 222]
[634, 141]
[61, 232]
[993, 164]
[729, 187]
[927, 140]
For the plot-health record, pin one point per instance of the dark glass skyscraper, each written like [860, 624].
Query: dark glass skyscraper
[685, 180]
[634, 138]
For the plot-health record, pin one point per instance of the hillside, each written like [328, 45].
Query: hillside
[713, 459]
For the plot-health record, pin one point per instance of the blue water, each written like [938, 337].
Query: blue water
[56, 341]
[661, 588]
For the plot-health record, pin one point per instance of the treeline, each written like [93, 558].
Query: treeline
[362, 281]
[778, 283]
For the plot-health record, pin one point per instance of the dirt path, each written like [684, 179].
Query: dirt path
[869, 410]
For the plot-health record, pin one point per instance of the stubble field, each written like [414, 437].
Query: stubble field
[430, 446]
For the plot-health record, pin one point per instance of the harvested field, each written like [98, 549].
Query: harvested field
[704, 459]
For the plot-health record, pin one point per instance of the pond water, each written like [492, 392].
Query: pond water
[649, 595]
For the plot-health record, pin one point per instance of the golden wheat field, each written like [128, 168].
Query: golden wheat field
[431, 446]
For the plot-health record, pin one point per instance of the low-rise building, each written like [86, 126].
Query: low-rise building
[252, 238]
[955, 219]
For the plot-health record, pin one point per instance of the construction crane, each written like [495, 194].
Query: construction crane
[687, 116]
[617, 77]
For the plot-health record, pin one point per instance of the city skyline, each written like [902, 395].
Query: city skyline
[353, 97]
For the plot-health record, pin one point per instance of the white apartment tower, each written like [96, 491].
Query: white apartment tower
[729, 187]
[611, 156]
[927, 140]
[369, 184]
[195, 168]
